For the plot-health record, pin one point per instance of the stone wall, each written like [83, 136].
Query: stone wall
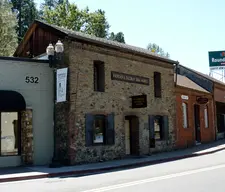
[27, 151]
[115, 99]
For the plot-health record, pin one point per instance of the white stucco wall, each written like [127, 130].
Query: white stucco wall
[39, 97]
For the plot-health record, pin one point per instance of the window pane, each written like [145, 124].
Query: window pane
[185, 119]
[99, 127]
[9, 133]
[206, 117]
[158, 127]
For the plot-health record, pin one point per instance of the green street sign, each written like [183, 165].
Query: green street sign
[217, 59]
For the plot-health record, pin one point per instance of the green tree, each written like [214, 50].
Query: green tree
[68, 15]
[8, 23]
[51, 4]
[117, 37]
[158, 50]
[26, 13]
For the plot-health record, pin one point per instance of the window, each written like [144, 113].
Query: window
[9, 134]
[158, 128]
[99, 76]
[185, 115]
[157, 84]
[99, 129]
[158, 124]
[206, 117]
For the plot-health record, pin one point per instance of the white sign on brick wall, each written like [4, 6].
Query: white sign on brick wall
[184, 97]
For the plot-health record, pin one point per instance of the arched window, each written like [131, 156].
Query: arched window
[185, 115]
[206, 117]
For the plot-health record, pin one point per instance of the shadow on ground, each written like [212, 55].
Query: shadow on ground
[144, 161]
[187, 153]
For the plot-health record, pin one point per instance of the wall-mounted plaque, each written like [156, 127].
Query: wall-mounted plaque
[129, 78]
[139, 101]
[202, 100]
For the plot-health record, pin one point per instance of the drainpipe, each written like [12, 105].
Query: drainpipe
[176, 70]
[215, 113]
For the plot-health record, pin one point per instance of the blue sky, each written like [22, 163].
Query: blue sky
[185, 29]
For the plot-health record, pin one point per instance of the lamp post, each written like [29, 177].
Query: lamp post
[54, 56]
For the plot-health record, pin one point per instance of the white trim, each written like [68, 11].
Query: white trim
[185, 116]
[206, 117]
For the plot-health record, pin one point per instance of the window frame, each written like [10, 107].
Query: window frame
[19, 132]
[157, 85]
[99, 76]
[206, 114]
[183, 116]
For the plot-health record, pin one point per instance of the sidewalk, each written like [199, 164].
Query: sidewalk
[25, 173]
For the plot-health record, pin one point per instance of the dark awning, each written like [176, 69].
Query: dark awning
[11, 101]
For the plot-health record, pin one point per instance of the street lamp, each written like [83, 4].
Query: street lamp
[54, 56]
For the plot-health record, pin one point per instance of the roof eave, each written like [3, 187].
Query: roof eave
[73, 36]
[196, 90]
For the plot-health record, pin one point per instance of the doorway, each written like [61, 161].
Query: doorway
[132, 135]
[197, 124]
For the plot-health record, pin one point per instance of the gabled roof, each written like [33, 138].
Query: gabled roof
[187, 83]
[204, 75]
[96, 40]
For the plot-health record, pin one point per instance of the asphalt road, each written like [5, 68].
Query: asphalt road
[198, 174]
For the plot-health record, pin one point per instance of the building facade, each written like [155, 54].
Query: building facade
[102, 84]
[216, 88]
[120, 99]
[195, 114]
[26, 108]
[219, 102]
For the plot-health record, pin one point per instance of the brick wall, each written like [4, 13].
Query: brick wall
[186, 136]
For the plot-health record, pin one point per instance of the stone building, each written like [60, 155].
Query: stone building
[120, 98]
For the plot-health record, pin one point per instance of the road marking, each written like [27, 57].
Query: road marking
[139, 182]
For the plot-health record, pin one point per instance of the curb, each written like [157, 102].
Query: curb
[98, 170]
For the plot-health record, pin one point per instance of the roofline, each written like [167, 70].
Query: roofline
[28, 33]
[122, 49]
[203, 75]
[23, 59]
[96, 42]
[190, 89]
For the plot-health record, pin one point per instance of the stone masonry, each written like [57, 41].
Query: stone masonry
[83, 99]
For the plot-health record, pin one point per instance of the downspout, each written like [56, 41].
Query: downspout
[176, 72]
[215, 114]
[175, 85]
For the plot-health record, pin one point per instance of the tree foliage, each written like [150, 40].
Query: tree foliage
[68, 15]
[51, 4]
[119, 37]
[26, 12]
[158, 50]
[8, 36]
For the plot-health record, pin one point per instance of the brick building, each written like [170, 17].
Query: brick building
[121, 99]
[195, 114]
[216, 88]
[219, 102]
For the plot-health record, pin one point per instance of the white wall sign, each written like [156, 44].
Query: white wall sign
[61, 78]
[184, 97]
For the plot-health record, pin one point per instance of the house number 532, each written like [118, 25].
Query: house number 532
[31, 79]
